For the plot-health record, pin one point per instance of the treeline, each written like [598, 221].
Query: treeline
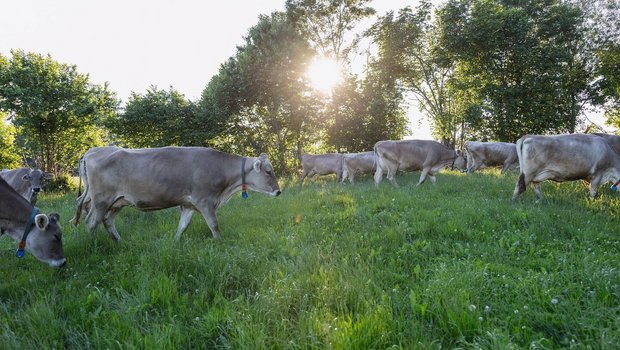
[479, 69]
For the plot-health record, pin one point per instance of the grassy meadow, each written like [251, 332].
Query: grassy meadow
[450, 265]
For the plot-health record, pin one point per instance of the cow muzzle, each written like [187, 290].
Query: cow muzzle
[36, 190]
[58, 263]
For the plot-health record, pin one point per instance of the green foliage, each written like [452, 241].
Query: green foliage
[156, 119]
[363, 115]
[332, 266]
[328, 24]
[9, 156]
[262, 96]
[410, 58]
[524, 61]
[54, 108]
[61, 184]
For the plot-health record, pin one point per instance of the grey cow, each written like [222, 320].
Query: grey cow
[27, 182]
[195, 178]
[411, 155]
[565, 157]
[44, 240]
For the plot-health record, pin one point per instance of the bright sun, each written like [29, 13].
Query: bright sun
[324, 73]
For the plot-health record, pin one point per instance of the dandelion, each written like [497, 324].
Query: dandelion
[525, 307]
[554, 301]
[480, 318]
[487, 309]
[472, 307]
[197, 318]
[516, 312]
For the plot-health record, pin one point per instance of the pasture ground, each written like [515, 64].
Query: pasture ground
[451, 265]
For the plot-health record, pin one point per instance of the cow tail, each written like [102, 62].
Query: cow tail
[81, 196]
[521, 182]
[377, 160]
[80, 176]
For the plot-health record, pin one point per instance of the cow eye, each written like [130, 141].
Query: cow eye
[268, 172]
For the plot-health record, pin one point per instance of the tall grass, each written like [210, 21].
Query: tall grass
[451, 265]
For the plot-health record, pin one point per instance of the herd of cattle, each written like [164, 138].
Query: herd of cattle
[201, 179]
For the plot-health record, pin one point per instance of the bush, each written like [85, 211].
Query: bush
[62, 184]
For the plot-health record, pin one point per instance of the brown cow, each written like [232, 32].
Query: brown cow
[488, 154]
[44, 240]
[27, 182]
[565, 158]
[411, 155]
[195, 178]
[354, 163]
[321, 164]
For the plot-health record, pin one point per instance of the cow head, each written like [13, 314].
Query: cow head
[36, 177]
[460, 162]
[262, 178]
[44, 241]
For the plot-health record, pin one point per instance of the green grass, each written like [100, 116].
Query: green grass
[451, 265]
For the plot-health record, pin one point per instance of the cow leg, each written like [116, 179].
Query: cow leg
[519, 186]
[433, 179]
[504, 168]
[302, 177]
[186, 217]
[108, 223]
[208, 212]
[424, 174]
[378, 175]
[537, 190]
[594, 187]
[95, 215]
[345, 175]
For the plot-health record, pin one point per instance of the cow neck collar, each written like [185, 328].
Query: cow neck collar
[454, 161]
[244, 186]
[22, 244]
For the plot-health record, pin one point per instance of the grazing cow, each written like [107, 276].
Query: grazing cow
[565, 158]
[27, 182]
[612, 140]
[411, 155]
[354, 163]
[321, 164]
[195, 178]
[43, 239]
[488, 154]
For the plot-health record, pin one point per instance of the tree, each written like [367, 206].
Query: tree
[408, 55]
[523, 60]
[328, 24]
[55, 108]
[602, 27]
[260, 96]
[9, 155]
[365, 112]
[155, 119]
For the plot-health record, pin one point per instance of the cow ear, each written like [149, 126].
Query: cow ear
[54, 217]
[42, 221]
[26, 177]
[48, 176]
[257, 165]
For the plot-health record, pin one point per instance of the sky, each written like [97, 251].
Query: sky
[133, 44]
